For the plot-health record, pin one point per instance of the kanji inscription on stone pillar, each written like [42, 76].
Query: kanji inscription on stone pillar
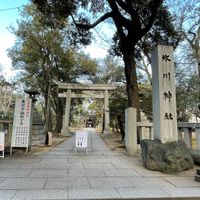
[164, 95]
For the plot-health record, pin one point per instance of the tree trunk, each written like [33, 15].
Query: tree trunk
[47, 114]
[121, 127]
[103, 123]
[59, 116]
[131, 79]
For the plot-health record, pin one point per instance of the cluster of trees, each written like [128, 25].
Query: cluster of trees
[44, 54]
[51, 33]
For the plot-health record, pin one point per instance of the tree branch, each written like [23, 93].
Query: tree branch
[90, 26]
[118, 18]
[192, 33]
[122, 4]
[154, 8]
[129, 9]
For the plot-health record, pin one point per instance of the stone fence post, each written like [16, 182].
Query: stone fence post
[131, 131]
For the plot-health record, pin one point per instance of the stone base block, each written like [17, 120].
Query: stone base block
[197, 178]
[168, 158]
[196, 155]
[65, 132]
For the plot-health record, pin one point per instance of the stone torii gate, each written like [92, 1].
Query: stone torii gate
[104, 88]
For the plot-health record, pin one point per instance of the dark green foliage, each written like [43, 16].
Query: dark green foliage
[146, 100]
[44, 55]
[162, 32]
[132, 19]
[118, 104]
[55, 11]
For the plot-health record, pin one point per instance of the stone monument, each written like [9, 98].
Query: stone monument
[164, 95]
[165, 153]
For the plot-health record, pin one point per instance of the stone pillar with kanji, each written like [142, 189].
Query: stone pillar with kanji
[164, 94]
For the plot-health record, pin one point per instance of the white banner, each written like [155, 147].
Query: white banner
[2, 141]
[21, 124]
[81, 139]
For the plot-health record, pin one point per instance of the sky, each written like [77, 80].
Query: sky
[9, 16]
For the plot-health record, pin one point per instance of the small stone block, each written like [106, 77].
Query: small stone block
[197, 178]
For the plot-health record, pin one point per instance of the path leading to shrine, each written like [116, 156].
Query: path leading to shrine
[99, 174]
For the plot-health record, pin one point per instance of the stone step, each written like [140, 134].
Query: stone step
[197, 178]
[198, 171]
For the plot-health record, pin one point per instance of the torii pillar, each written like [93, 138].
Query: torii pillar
[65, 128]
[104, 88]
[106, 113]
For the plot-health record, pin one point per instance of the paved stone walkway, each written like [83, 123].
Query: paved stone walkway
[100, 174]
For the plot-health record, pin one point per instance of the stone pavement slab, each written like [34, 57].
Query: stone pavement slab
[94, 194]
[144, 182]
[62, 174]
[121, 173]
[7, 194]
[48, 173]
[135, 193]
[54, 161]
[67, 183]
[14, 173]
[183, 192]
[183, 181]
[1, 179]
[90, 165]
[86, 173]
[55, 166]
[23, 183]
[41, 195]
[109, 182]
[122, 164]
[9, 165]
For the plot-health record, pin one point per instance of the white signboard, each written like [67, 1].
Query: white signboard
[2, 142]
[81, 139]
[21, 124]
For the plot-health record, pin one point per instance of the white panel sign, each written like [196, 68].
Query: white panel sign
[2, 143]
[2, 140]
[21, 124]
[81, 139]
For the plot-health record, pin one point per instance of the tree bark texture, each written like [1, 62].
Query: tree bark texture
[132, 85]
[59, 115]
[121, 127]
[47, 114]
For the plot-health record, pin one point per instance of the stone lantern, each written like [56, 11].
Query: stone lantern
[32, 92]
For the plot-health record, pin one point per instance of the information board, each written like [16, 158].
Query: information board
[81, 139]
[2, 143]
[21, 124]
